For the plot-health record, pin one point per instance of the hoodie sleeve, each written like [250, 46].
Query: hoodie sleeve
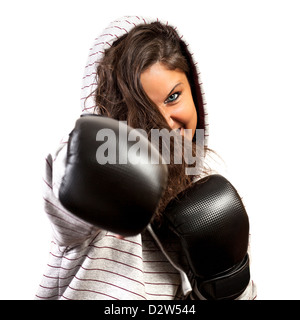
[68, 230]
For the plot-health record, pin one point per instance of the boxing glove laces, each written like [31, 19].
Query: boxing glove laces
[211, 223]
[106, 182]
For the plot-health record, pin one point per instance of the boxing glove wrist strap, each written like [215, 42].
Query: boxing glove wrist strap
[230, 285]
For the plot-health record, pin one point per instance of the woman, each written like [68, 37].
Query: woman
[141, 72]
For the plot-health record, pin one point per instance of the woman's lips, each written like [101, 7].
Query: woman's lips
[180, 131]
[184, 133]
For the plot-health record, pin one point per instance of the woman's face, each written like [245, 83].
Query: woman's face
[171, 92]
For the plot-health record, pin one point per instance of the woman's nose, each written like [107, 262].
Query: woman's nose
[170, 120]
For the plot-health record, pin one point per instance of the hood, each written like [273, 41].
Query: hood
[115, 30]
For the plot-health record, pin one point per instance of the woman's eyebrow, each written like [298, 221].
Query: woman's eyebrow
[173, 89]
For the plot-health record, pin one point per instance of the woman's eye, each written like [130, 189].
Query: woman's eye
[173, 97]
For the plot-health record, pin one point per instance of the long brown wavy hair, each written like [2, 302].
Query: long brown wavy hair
[120, 95]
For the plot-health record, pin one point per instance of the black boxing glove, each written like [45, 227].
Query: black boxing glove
[213, 228]
[108, 184]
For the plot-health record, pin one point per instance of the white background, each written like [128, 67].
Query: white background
[248, 54]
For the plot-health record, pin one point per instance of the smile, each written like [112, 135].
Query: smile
[179, 130]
